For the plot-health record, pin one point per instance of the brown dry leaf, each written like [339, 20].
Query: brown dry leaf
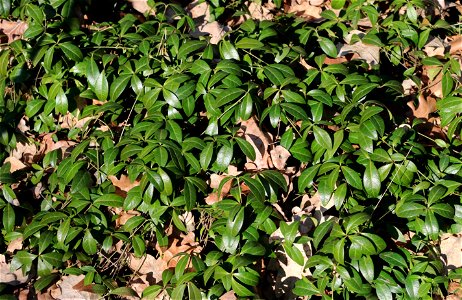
[368, 53]
[433, 76]
[149, 266]
[456, 44]
[15, 164]
[288, 271]
[359, 50]
[317, 2]
[259, 140]
[260, 12]
[13, 30]
[70, 287]
[181, 243]
[451, 250]
[200, 12]
[426, 107]
[8, 277]
[14, 245]
[123, 183]
[279, 157]
[142, 6]
[228, 296]
[456, 289]
[434, 47]
[48, 145]
[124, 216]
[306, 11]
[71, 121]
[26, 152]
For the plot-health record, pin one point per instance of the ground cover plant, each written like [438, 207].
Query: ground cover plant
[225, 150]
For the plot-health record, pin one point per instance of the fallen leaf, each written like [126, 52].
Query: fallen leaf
[142, 6]
[426, 107]
[279, 157]
[368, 53]
[178, 242]
[124, 216]
[15, 164]
[259, 140]
[13, 30]
[14, 245]
[188, 219]
[456, 44]
[69, 287]
[123, 183]
[261, 12]
[306, 11]
[288, 271]
[434, 47]
[230, 295]
[8, 277]
[200, 12]
[148, 265]
[451, 250]
[317, 2]
[456, 289]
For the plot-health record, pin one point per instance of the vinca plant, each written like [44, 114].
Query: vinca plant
[223, 162]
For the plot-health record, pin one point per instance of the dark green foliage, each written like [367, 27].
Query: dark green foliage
[171, 107]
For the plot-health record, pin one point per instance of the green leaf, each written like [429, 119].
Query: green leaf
[360, 246]
[71, 51]
[112, 200]
[249, 43]
[294, 253]
[61, 102]
[275, 178]
[206, 156]
[156, 180]
[293, 97]
[228, 51]
[304, 287]
[227, 96]
[366, 267]
[322, 137]
[175, 131]
[383, 291]
[352, 177]
[45, 281]
[371, 180]
[240, 290]
[124, 291]
[139, 246]
[410, 210]
[8, 218]
[321, 96]
[339, 195]
[101, 88]
[190, 195]
[246, 148]
[337, 4]
[5, 6]
[328, 47]
[256, 188]
[33, 107]
[193, 292]
[295, 110]
[339, 251]
[152, 291]
[274, 75]
[171, 98]
[362, 90]
[393, 259]
[224, 157]
[321, 231]
[189, 47]
[118, 86]
[89, 243]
